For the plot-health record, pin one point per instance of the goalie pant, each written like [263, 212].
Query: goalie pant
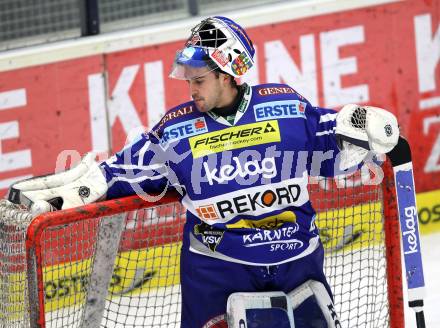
[207, 283]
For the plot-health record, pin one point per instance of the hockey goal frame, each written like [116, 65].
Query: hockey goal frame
[34, 247]
[111, 208]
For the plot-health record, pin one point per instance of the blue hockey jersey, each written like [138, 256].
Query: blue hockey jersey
[243, 182]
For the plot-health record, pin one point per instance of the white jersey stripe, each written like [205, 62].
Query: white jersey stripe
[136, 167]
[136, 179]
[327, 117]
[323, 133]
[142, 152]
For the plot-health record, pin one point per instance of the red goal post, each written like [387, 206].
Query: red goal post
[92, 215]
[116, 263]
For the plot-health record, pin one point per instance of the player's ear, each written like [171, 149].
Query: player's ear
[222, 77]
[226, 78]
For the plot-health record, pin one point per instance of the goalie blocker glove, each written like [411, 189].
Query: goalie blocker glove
[83, 184]
[363, 128]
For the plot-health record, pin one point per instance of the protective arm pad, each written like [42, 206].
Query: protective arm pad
[81, 185]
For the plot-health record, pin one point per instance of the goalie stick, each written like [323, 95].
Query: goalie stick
[400, 157]
[375, 129]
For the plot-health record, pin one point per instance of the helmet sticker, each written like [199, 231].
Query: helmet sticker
[241, 64]
[219, 57]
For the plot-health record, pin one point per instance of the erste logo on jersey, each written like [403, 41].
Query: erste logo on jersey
[266, 168]
[280, 109]
[235, 137]
[183, 130]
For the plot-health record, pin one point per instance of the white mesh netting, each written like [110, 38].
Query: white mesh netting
[144, 288]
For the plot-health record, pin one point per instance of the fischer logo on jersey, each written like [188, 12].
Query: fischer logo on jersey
[266, 168]
[280, 109]
[184, 129]
[235, 137]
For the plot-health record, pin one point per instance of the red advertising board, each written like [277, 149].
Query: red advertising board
[385, 55]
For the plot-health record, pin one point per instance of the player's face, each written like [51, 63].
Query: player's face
[208, 91]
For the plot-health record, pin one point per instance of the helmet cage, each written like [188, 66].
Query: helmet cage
[225, 43]
[207, 35]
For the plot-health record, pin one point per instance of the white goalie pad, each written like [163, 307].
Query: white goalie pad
[259, 310]
[83, 184]
[313, 307]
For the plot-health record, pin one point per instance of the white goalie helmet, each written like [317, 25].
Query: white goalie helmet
[216, 43]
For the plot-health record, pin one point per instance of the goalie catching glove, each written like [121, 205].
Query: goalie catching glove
[83, 184]
[363, 128]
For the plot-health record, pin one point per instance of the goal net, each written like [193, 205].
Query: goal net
[116, 263]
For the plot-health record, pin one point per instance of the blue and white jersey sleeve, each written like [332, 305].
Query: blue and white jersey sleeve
[141, 167]
[322, 125]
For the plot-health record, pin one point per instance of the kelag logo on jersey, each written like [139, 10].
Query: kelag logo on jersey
[280, 109]
[183, 130]
[234, 138]
[266, 168]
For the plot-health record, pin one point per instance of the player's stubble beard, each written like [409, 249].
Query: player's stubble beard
[211, 100]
